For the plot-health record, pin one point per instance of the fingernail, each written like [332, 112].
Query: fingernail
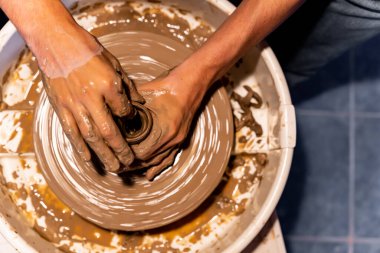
[120, 170]
[84, 157]
[112, 166]
[149, 175]
[127, 159]
[130, 110]
[126, 111]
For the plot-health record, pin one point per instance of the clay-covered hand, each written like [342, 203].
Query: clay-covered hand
[85, 101]
[172, 114]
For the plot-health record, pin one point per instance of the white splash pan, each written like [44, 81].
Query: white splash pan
[264, 68]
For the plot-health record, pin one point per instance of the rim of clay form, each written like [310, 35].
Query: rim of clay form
[11, 42]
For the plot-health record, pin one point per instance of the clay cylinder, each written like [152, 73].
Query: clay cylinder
[137, 128]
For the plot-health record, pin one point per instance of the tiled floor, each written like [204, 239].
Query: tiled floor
[332, 200]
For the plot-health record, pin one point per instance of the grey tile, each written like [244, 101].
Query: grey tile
[315, 247]
[367, 76]
[327, 90]
[367, 178]
[367, 248]
[315, 200]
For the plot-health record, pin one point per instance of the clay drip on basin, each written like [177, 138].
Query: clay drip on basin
[58, 223]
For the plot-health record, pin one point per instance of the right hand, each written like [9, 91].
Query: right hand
[85, 102]
[172, 100]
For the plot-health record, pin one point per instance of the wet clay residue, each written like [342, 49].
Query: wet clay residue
[55, 221]
[247, 118]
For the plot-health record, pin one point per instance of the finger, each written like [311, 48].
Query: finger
[134, 95]
[155, 160]
[92, 136]
[71, 130]
[152, 161]
[155, 170]
[144, 150]
[161, 145]
[118, 101]
[110, 132]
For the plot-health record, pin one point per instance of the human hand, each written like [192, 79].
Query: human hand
[172, 110]
[85, 101]
[83, 81]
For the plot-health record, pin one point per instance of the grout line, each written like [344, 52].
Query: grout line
[308, 112]
[368, 240]
[338, 114]
[311, 112]
[322, 113]
[351, 164]
[367, 114]
[330, 239]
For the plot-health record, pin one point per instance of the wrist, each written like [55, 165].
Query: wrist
[58, 42]
[54, 37]
[65, 48]
[189, 83]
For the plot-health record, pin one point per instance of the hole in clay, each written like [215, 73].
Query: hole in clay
[133, 127]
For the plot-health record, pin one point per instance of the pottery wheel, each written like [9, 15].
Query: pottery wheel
[135, 203]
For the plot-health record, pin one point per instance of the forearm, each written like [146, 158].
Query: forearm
[50, 32]
[252, 21]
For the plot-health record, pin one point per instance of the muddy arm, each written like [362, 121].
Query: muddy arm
[251, 22]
